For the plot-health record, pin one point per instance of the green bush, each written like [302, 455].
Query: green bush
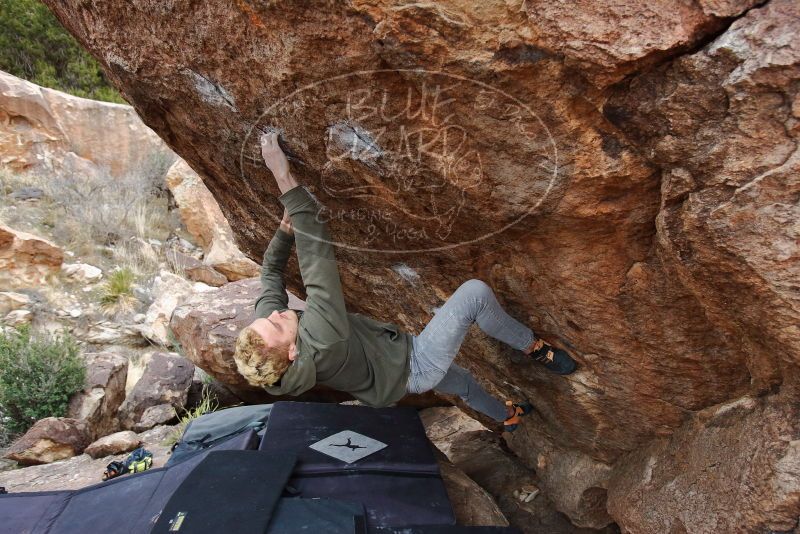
[37, 377]
[34, 46]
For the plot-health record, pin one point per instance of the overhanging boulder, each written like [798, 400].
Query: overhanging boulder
[628, 188]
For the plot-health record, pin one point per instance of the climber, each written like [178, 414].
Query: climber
[289, 351]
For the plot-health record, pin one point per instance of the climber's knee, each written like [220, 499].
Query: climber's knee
[475, 287]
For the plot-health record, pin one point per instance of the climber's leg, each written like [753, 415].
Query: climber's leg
[459, 381]
[494, 321]
[437, 345]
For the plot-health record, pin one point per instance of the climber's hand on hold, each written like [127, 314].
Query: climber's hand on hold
[276, 161]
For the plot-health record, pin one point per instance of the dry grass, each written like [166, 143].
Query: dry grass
[137, 255]
[101, 209]
[103, 220]
[208, 403]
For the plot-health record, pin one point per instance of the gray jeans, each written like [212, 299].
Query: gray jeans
[435, 348]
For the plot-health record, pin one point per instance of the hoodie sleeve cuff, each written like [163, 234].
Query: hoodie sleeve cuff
[296, 199]
[284, 236]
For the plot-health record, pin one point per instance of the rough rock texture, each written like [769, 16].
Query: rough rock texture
[445, 424]
[607, 40]
[466, 441]
[49, 440]
[82, 272]
[171, 290]
[577, 484]
[81, 471]
[46, 130]
[116, 443]
[481, 456]
[195, 269]
[206, 222]
[10, 301]
[743, 446]
[154, 416]
[110, 333]
[18, 317]
[472, 505]
[723, 127]
[25, 259]
[625, 176]
[161, 389]
[104, 392]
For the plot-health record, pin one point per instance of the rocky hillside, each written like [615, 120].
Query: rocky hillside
[624, 175]
[96, 246]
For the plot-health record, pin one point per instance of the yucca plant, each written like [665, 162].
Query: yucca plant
[118, 290]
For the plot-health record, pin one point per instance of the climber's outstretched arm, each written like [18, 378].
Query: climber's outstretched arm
[325, 317]
[273, 288]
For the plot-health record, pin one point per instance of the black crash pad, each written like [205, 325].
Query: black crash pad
[295, 426]
[227, 489]
[399, 484]
[318, 515]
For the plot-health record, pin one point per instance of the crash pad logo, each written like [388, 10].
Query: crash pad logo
[411, 160]
[348, 446]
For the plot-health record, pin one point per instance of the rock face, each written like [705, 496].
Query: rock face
[195, 269]
[110, 333]
[444, 424]
[18, 317]
[625, 177]
[116, 443]
[481, 456]
[10, 301]
[170, 290]
[162, 388]
[472, 505]
[49, 440]
[46, 130]
[82, 272]
[478, 456]
[744, 444]
[25, 259]
[103, 394]
[206, 222]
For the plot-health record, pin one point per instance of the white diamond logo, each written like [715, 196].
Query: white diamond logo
[348, 446]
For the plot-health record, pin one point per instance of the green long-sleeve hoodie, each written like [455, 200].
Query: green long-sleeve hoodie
[345, 351]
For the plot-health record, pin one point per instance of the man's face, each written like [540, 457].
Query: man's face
[278, 328]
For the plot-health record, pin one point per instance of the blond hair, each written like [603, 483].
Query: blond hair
[259, 364]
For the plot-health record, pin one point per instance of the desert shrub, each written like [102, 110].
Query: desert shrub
[100, 208]
[38, 374]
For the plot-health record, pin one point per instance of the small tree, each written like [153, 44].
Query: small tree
[37, 377]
